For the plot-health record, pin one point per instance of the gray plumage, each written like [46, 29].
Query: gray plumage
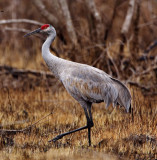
[84, 83]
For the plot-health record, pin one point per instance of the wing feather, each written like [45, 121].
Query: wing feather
[124, 96]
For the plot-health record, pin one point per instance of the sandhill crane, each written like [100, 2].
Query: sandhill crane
[84, 83]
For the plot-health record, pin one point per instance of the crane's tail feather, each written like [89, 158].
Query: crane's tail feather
[124, 96]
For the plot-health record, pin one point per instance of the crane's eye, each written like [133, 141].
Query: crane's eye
[44, 26]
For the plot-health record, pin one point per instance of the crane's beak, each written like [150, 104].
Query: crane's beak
[33, 32]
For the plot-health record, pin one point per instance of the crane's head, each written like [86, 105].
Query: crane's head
[46, 28]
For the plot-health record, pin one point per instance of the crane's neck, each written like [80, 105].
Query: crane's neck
[54, 63]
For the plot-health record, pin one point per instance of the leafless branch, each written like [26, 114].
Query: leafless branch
[22, 71]
[128, 18]
[97, 18]
[109, 27]
[97, 60]
[147, 71]
[150, 47]
[68, 22]
[16, 29]
[114, 64]
[110, 58]
[144, 87]
[147, 23]
[22, 30]
[7, 21]
[49, 16]
[127, 23]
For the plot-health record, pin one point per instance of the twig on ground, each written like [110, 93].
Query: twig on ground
[32, 125]
[13, 132]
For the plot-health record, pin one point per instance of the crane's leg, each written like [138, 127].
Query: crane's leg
[87, 109]
[89, 124]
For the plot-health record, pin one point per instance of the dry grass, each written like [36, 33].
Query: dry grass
[115, 132]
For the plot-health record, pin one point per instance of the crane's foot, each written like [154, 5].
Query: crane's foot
[56, 138]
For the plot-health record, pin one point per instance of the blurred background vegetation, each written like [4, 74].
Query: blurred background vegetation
[117, 36]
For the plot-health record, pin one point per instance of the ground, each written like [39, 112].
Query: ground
[116, 134]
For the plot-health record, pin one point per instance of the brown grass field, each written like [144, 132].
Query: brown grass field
[115, 135]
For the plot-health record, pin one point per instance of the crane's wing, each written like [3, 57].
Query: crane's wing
[94, 85]
[124, 96]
